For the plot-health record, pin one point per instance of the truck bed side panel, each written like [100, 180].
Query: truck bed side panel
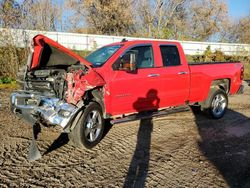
[202, 75]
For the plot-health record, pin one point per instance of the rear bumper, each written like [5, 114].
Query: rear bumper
[34, 107]
[241, 90]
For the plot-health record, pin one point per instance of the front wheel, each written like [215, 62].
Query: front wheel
[218, 102]
[89, 130]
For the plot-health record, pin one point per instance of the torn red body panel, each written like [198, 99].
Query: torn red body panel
[78, 83]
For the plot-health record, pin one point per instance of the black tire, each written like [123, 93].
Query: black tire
[216, 103]
[89, 130]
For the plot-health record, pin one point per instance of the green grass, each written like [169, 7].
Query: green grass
[8, 83]
[9, 86]
[7, 80]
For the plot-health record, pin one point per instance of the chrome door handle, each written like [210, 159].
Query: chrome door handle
[153, 75]
[181, 73]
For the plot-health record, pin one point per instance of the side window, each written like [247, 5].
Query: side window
[170, 56]
[144, 56]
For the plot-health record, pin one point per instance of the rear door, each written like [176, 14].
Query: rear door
[175, 78]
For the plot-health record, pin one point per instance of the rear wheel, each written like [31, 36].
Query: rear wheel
[217, 103]
[89, 130]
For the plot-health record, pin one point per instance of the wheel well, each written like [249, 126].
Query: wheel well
[223, 84]
[96, 95]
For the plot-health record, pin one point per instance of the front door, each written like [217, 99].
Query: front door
[135, 91]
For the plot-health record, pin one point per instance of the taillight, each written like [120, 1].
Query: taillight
[242, 73]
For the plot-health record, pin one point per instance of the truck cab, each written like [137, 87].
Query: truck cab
[159, 66]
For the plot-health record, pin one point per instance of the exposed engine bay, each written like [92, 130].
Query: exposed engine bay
[58, 83]
[48, 81]
[50, 96]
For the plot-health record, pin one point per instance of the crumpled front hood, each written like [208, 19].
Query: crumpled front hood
[47, 52]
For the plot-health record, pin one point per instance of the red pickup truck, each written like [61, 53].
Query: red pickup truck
[117, 82]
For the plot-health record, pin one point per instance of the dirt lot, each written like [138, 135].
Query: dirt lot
[179, 150]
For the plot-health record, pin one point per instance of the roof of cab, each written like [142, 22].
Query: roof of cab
[129, 42]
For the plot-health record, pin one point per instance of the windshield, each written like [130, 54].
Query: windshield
[100, 56]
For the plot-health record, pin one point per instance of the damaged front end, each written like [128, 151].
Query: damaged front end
[54, 84]
[52, 96]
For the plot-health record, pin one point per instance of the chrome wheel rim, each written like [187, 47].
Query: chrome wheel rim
[93, 126]
[219, 104]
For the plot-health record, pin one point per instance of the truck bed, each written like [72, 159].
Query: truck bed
[204, 73]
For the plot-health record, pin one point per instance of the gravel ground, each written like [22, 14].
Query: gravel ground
[178, 150]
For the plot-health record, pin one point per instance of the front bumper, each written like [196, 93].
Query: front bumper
[35, 107]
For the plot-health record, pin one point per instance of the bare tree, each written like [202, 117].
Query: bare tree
[75, 15]
[41, 15]
[10, 14]
[207, 17]
[155, 17]
[113, 17]
[239, 31]
[244, 30]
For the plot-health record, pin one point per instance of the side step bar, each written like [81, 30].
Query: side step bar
[146, 115]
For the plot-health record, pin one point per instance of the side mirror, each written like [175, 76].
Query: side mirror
[127, 62]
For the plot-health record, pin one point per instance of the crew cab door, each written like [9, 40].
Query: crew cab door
[175, 78]
[138, 90]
